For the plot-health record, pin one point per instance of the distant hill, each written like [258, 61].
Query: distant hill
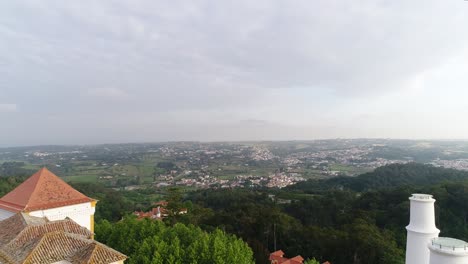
[394, 175]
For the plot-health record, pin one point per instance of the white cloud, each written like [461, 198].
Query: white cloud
[296, 64]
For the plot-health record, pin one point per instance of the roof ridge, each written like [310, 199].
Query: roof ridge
[37, 242]
[39, 180]
[104, 246]
[38, 231]
[43, 190]
[94, 245]
[5, 257]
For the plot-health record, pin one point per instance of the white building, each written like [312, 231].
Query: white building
[421, 228]
[46, 195]
[423, 245]
[446, 250]
[45, 220]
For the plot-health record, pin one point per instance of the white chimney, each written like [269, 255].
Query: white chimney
[421, 229]
[446, 250]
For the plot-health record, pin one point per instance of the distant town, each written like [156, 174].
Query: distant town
[228, 164]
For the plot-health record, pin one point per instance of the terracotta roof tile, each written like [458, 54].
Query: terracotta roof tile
[43, 190]
[278, 253]
[97, 253]
[13, 226]
[298, 259]
[55, 246]
[278, 256]
[27, 239]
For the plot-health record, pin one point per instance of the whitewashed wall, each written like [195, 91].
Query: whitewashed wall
[80, 213]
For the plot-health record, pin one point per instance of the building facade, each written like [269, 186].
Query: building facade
[45, 220]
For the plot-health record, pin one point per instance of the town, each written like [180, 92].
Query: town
[196, 165]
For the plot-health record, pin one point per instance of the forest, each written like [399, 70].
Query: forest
[359, 220]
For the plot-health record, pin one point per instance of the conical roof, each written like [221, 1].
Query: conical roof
[43, 190]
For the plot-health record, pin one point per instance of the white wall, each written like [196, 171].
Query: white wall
[438, 257]
[421, 229]
[416, 247]
[80, 213]
[4, 214]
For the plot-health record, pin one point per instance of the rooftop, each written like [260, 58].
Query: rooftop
[43, 190]
[449, 245]
[28, 239]
[422, 197]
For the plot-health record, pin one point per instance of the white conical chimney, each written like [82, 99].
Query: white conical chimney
[448, 251]
[421, 229]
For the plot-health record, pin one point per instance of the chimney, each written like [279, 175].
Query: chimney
[421, 229]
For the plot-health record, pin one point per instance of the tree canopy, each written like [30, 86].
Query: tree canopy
[148, 241]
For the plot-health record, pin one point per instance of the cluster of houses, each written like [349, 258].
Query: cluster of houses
[159, 212]
[278, 257]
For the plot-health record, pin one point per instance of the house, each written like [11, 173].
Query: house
[158, 212]
[277, 257]
[45, 220]
[46, 195]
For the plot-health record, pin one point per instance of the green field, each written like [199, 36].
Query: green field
[81, 178]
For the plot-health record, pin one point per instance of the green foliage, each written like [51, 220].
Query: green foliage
[112, 204]
[311, 261]
[338, 226]
[357, 220]
[9, 183]
[13, 168]
[148, 241]
[167, 166]
[391, 176]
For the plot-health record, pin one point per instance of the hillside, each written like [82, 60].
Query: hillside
[394, 175]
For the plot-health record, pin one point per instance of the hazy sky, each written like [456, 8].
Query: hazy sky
[80, 72]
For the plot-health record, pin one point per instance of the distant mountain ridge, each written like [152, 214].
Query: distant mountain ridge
[394, 175]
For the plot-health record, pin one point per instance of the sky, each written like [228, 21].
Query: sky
[90, 72]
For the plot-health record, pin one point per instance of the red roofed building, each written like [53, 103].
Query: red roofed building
[46, 195]
[277, 257]
[159, 212]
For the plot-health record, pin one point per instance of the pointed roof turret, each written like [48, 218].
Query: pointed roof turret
[43, 190]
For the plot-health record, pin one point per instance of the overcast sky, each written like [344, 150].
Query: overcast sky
[85, 72]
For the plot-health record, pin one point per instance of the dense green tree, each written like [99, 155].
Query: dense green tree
[112, 205]
[391, 176]
[311, 261]
[14, 169]
[148, 241]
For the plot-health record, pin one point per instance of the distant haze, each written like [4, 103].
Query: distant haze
[75, 72]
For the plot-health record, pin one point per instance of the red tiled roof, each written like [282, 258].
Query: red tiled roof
[278, 253]
[298, 259]
[97, 253]
[56, 246]
[43, 190]
[278, 256]
[27, 239]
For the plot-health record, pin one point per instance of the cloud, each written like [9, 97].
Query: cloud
[109, 93]
[7, 108]
[277, 62]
